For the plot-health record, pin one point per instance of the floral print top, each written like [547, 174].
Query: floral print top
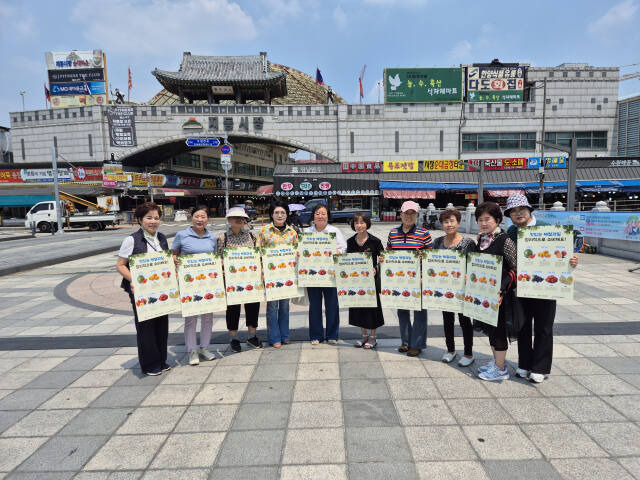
[270, 236]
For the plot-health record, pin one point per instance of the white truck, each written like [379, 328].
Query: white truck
[43, 214]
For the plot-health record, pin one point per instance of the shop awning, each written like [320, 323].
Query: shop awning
[23, 200]
[629, 185]
[411, 186]
[265, 190]
[409, 194]
[503, 193]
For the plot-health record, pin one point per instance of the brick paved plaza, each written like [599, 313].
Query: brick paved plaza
[74, 404]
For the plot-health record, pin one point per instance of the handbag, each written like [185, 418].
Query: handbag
[515, 316]
[302, 301]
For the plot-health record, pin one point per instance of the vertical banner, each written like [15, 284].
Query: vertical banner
[122, 126]
[201, 283]
[315, 265]
[400, 280]
[443, 273]
[484, 273]
[243, 275]
[543, 262]
[279, 264]
[155, 286]
[355, 280]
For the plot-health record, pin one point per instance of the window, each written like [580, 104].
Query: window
[244, 169]
[42, 206]
[491, 142]
[211, 163]
[189, 160]
[585, 140]
[265, 172]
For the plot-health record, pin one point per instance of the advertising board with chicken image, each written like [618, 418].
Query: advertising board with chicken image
[315, 263]
[443, 274]
[543, 262]
[201, 283]
[280, 266]
[482, 287]
[155, 288]
[400, 280]
[243, 275]
[355, 280]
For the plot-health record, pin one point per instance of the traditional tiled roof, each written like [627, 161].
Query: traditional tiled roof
[199, 70]
[301, 90]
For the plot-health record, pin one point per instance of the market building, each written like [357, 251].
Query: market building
[433, 126]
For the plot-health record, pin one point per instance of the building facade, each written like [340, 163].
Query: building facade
[628, 127]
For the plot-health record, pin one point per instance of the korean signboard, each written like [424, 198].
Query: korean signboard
[74, 59]
[10, 176]
[443, 165]
[498, 163]
[122, 126]
[37, 175]
[77, 88]
[549, 162]
[400, 166]
[76, 75]
[67, 101]
[423, 85]
[495, 84]
[361, 166]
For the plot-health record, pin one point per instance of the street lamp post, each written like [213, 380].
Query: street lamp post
[54, 164]
[541, 167]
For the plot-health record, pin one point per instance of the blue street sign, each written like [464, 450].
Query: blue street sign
[226, 149]
[203, 142]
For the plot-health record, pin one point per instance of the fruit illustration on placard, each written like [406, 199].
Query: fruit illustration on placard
[528, 253]
[213, 274]
[388, 273]
[362, 292]
[322, 271]
[449, 295]
[232, 269]
[288, 283]
[431, 272]
[141, 279]
[473, 278]
[208, 296]
[493, 281]
[551, 279]
[365, 273]
[271, 266]
[249, 287]
[188, 278]
[317, 253]
[174, 294]
[327, 253]
[231, 288]
[406, 293]
[343, 274]
[485, 303]
[306, 253]
[163, 297]
[166, 274]
[427, 292]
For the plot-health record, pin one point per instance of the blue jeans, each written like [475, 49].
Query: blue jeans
[414, 336]
[331, 312]
[278, 320]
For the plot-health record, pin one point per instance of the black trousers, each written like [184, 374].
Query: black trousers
[449, 319]
[498, 334]
[537, 357]
[151, 336]
[251, 312]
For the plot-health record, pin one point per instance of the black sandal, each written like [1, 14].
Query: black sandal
[360, 343]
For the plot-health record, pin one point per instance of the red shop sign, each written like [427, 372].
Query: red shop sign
[286, 186]
[324, 186]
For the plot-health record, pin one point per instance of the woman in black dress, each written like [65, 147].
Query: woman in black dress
[368, 318]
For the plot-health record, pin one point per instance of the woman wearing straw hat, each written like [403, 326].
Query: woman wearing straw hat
[534, 359]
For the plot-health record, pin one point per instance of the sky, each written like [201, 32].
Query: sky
[339, 37]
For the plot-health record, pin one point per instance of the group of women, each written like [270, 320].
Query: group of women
[534, 357]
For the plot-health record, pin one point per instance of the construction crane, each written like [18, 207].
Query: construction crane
[629, 76]
[73, 200]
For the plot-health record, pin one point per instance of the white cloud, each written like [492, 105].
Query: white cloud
[163, 26]
[461, 51]
[340, 17]
[397, 3]
[280, 11]
[615, 17]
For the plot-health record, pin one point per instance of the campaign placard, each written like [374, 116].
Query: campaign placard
[201, 283]
[280, 281]
[400, 280]
[315, 264]
[243, 275]
[355, 281]
[543, 262]
[443, 273]
[155, 288]
[484, 273]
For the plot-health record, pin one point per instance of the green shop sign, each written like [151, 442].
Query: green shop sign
[422, 85]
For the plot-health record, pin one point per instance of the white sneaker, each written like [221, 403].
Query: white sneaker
[487, 366]
[194, 359]
[537, 377]
[206, 354]
[522, 373]
[465, 361]
[448, 357]
[494, 375]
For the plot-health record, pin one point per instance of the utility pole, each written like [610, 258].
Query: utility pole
[571, 187]
[542, 162]
[149, 184]
[54, 164]
[481, 182]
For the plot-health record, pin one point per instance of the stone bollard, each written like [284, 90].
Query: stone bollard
[557, 207]
[601, 206]
[450, 206]
[469, 216]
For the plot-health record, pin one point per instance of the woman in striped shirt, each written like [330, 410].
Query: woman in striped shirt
[410, 236]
